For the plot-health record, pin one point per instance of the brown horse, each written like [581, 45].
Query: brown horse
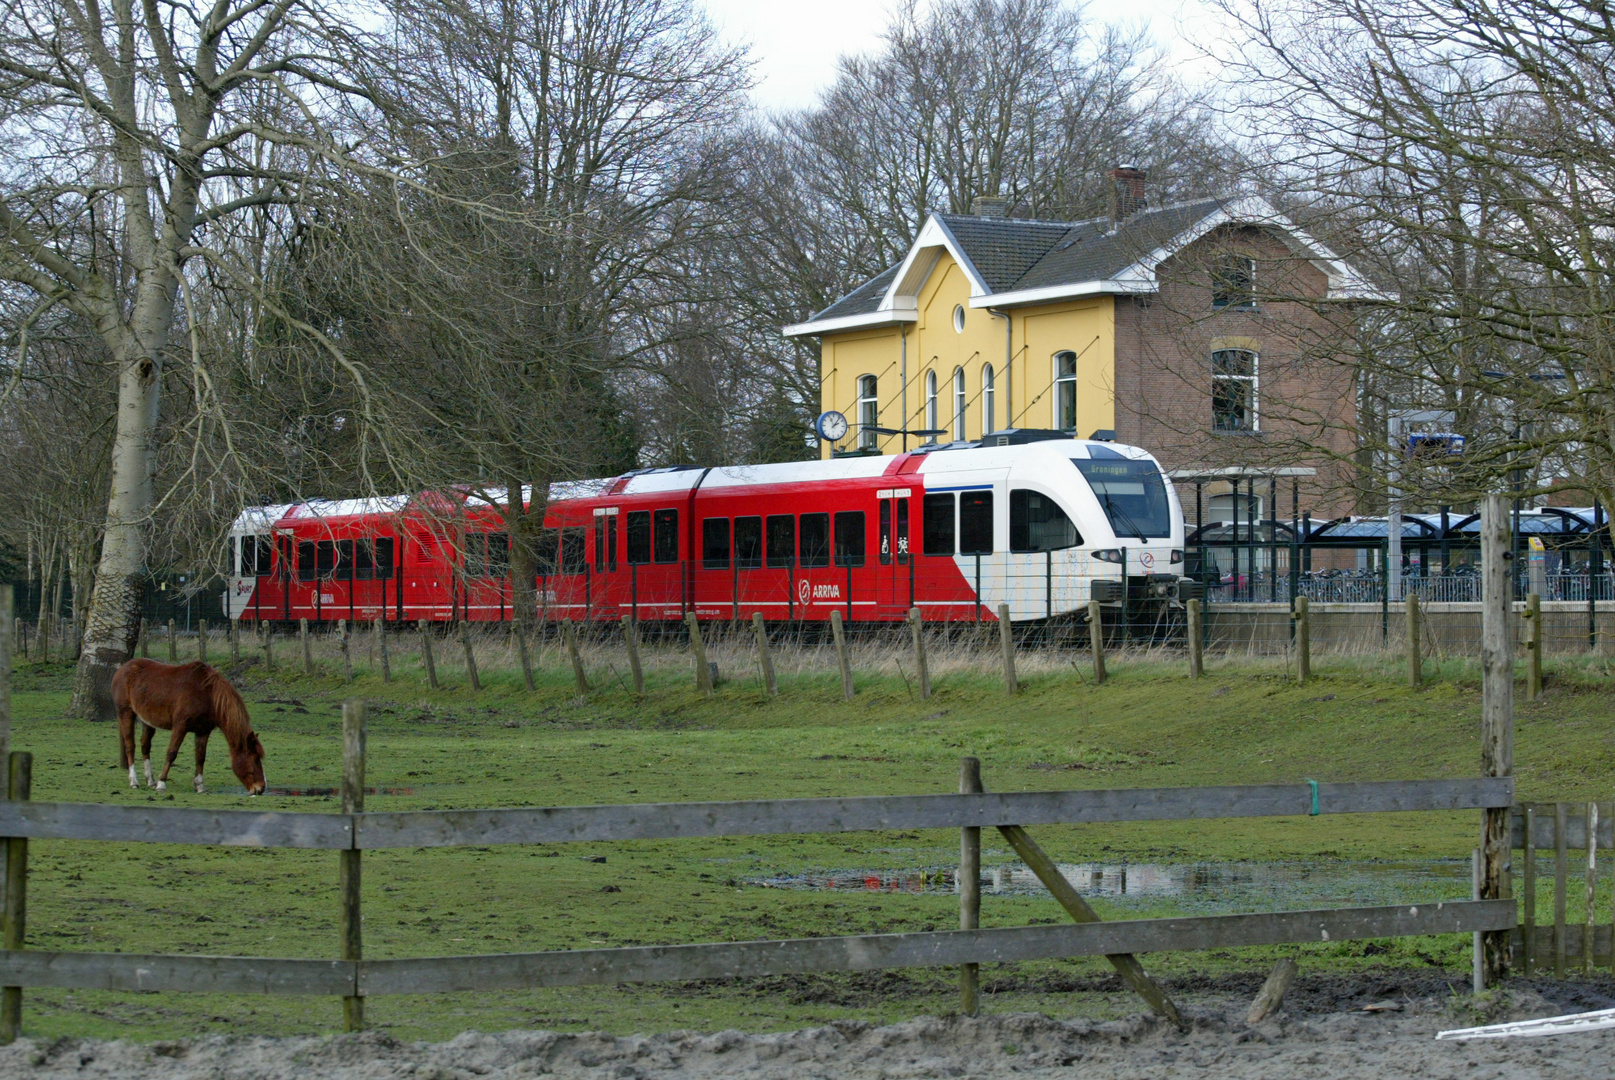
[184, 698]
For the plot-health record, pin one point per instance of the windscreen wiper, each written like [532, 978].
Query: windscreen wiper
[1113, 509]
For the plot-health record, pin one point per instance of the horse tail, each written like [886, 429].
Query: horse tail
[229, 710]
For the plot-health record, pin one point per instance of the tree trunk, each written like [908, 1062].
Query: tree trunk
[525, 526]
[113, 622]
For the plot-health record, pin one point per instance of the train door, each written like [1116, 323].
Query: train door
[605, 593]
[895, 575]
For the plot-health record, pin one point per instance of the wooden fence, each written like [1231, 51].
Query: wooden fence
[1556, 829]
[355, 830]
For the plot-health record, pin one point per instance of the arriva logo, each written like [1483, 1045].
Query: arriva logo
[806, 591]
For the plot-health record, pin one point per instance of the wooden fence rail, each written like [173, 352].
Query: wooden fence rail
[665, 821]
[744, 959]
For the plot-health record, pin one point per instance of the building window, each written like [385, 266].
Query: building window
[989, 394]
[959, 403]
[1233, 283]
[930, 403]
[868, 412]
[958, 319]
[1233, 390]
[1065, 391]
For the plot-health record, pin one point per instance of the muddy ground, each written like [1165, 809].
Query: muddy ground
[1322, 1032]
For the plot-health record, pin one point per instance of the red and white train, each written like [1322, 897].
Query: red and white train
[1036, 520]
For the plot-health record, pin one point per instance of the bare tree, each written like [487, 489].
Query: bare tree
[1463, 151]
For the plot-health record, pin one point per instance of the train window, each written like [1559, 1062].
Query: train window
[902, 532]
[715, 544]
[666, 528]
[364, 560]
[748, 542]
[781, 540]
[1036, 523]
[936, 524]
[383, 557]
[549, 546]
[487, 555]
[573, 559]
[344, 560]
[638, 537]
[605, 542]
[885, 531]
[305, 560]
[255, 556]
[850, 538]
[324, 558]
[814, 533]
[975, 523]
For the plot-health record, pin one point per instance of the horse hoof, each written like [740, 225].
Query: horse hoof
[161, 786]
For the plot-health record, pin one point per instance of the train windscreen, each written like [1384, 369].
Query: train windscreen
[1132, 494]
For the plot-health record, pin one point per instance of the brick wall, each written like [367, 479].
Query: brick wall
[1306, 401]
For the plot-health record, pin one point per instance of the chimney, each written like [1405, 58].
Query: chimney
[1126, 192]
[989, 206]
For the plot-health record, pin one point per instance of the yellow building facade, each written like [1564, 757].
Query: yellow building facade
[971, 371]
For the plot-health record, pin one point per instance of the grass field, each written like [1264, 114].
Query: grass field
[1149, 725]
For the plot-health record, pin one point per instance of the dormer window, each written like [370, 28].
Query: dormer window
[1233, 283]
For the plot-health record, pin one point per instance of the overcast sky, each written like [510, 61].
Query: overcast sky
[796, 45]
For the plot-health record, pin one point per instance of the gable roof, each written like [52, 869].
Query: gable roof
[1011, 262]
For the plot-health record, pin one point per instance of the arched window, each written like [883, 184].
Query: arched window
[1065, 391]
[868, 412]
[988, 395]
[959, 402]
[930, 402]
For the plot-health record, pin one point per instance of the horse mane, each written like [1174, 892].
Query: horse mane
[229, 711]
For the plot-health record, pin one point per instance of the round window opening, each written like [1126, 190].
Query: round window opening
[958, 319]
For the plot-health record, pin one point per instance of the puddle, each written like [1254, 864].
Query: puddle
[1247, 886]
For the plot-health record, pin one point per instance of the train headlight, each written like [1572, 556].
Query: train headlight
[1177, 555]
[1109, 555]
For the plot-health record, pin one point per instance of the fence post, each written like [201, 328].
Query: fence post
[1497, 715]
[1533, 646]
[347, 654]
[969, 881]
[1415, 661]
[1096, 639]
[569, 632]
[703, 674]
[1006, 645]
[143, 645]
[764, 658]
[1589, 926]
[426, 654]
[353, 755]
[470, 654]
[380, 630]
[1303, 639]
[631, 639]
[524, 654]
[173, 643]
[1477, 875]
[1197, 651]
[847, 689]
[922, 670]
[233, 631]
[308, 655]
[201, 640]
[14, 922]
